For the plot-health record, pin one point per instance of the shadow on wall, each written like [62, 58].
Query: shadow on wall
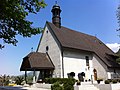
[104, 86]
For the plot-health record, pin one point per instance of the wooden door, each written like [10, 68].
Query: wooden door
[95, 74]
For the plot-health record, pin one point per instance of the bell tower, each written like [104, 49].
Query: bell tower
[56, 19]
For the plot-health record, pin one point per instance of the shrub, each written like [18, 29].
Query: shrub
[56, 86]
[67, 86]
[4, 80]
[19, 80]
[60, 80]
[114, 81]
[66, 82]
[119, 80]
[53, 80]
[110, 80]
[107, 82]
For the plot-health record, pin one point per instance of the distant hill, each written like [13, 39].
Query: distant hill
[28, 74]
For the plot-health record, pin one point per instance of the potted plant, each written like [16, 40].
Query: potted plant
[78, 82]
[99, 79]
[71, 74]
[107, 81]
[114, 81]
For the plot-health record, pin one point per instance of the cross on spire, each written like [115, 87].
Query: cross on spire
[55, 2]
[32, 49]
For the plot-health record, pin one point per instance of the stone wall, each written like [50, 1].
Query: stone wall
[48, 41]
[100, 67]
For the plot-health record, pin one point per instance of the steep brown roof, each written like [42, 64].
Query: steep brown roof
[37, 61]
[73, 39]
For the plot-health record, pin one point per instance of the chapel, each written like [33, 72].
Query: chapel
[63, 52]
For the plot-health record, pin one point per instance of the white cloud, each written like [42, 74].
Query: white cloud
[113, 46]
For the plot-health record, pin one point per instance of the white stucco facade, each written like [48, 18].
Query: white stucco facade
[76, 62]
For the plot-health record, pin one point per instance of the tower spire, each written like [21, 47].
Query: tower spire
[56, 19]
[55, 2]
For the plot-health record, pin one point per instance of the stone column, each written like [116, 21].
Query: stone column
[34, 79]
[25, 76]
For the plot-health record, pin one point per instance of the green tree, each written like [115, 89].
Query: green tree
[13, 19]
[4, 80]
[19, 80]
[118, 17]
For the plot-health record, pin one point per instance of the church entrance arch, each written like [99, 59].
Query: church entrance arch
[95, 74]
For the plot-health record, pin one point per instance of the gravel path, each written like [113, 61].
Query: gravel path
[21, 88]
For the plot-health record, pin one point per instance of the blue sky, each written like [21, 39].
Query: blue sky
[94, 17]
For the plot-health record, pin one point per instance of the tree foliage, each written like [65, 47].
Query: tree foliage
[19, 80]
[4, 80]
[13, 19]
[118, 17]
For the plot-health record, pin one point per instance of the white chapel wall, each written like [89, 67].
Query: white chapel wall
[76, 62]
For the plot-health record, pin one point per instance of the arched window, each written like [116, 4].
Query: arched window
[87, 60]
[47, 48]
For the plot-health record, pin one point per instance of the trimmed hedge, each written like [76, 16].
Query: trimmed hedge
[56, 86]
[119, 80]
[61, 83]
[60, 80]
[68, 84]
[112, 81]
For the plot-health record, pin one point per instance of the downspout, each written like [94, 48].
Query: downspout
[62, 62]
